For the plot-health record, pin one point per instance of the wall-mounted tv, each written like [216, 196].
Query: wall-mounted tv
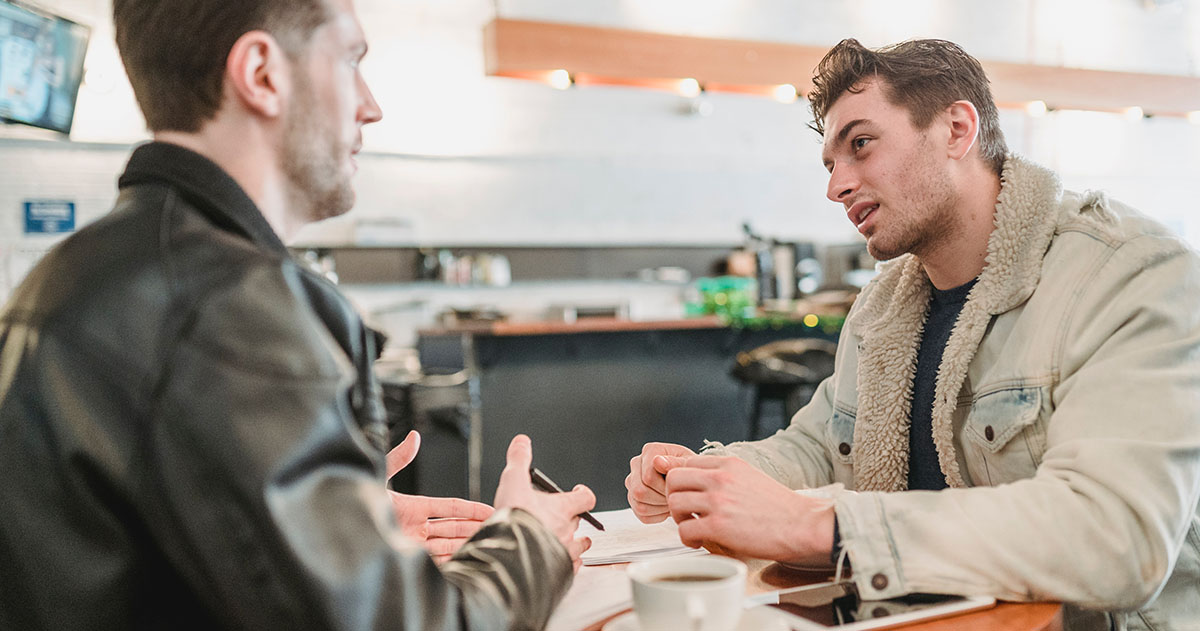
[41, 66]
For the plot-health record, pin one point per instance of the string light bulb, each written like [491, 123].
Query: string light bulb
[785, 93]
[688, 87]
[559, 79]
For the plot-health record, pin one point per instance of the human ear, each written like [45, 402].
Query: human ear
[964, 128]
[256, 73]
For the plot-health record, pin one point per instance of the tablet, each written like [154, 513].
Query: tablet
[846, 612]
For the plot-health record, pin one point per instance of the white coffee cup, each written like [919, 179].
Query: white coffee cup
[694, 593]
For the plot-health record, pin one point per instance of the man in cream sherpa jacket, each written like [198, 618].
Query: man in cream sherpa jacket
[1066, 406]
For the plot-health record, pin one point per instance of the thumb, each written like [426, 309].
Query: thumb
[519, 459]
[403, 453]
[663, 464]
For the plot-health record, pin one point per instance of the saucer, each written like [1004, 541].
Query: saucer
[756, 619]
[808, 568]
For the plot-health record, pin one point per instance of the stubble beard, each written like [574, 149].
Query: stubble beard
[918, 236]
[310, 159]
[924, 221]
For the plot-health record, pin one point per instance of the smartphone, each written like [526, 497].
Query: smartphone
[847, 612]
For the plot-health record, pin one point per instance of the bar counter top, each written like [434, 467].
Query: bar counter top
[581, 325]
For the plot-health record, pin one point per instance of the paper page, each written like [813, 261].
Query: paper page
[626, 539]
[596, 594]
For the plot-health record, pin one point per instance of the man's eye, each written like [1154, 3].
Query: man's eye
[859, 143]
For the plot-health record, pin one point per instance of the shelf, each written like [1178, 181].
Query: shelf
[592, 54]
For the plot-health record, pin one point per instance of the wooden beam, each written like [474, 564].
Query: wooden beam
[522, 48]
[1101, 90]
[517, 46]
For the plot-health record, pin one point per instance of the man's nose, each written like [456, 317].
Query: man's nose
[369, 110]
[841, 184]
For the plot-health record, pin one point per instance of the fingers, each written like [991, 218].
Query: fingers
[649, 476]
[456, 508]
[576, 548]
[579, 546]
[648, 505]
[663, 464]
[710, 462]
[444, 547]
[648, 513]
[403, 454]
[693, 532]
[577, 500]
[410, 508]
[452, 528]
[638, 490]
[689, 505]
[691, 479]
[519, 458]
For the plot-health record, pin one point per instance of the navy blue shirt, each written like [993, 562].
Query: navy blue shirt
[924, 472]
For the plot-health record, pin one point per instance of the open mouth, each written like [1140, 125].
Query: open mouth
[864, 213]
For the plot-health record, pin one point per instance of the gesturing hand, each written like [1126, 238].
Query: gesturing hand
[441, 524]
[727, 502]
[557, 511]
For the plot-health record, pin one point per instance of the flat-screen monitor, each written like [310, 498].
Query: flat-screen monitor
[41, 66]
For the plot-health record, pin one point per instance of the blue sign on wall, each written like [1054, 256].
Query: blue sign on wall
[48, 216]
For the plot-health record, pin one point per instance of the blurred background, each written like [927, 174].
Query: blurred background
[488, 199]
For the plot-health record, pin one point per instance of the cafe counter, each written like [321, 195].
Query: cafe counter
[590, 393]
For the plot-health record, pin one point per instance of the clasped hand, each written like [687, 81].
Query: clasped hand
[724, 503]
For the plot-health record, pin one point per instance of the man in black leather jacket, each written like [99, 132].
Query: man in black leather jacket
[191, 435]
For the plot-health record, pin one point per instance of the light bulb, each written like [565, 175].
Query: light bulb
[688, 87]
[560, 79]
[1134, 113]
[785, 93]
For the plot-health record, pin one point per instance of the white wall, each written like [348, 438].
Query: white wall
[469, 159]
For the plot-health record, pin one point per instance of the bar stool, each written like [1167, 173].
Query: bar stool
[786, 372]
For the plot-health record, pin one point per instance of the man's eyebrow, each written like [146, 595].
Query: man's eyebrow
[841, 136]
[849, 127]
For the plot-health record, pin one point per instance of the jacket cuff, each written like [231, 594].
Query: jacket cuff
[553, 546]
[513, 569]
[862, 526]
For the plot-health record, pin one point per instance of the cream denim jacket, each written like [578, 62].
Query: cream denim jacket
[1066, 419]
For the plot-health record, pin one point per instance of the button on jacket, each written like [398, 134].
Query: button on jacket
[1066, 418]
[191, 437]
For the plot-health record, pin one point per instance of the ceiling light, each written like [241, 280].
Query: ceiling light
[785, 93]
[688, 87]
[560, 79]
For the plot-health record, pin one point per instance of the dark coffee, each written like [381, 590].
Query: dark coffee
[685, 578]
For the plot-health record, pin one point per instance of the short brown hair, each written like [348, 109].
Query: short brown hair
[174, 51]
[923, 76]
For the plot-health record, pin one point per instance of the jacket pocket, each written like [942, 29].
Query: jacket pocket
[1003, 425]
[841, 436]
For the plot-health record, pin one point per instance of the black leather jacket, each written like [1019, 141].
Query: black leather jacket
[191, 437]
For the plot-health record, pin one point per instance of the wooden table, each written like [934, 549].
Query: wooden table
[767, 576]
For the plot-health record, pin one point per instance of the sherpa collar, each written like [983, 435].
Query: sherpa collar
[891, 319]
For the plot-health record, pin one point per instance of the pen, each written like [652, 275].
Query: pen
[544, 483]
